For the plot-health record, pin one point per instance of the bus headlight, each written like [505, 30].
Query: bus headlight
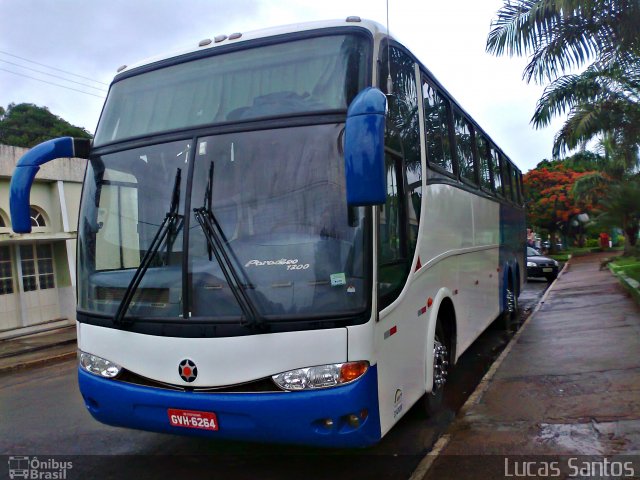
[99, 366]
[322, 376]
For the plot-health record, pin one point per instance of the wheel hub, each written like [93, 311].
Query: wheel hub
[511, 301]
[440, 364]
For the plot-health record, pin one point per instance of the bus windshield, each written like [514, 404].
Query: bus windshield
[296, 77]
[278, 196]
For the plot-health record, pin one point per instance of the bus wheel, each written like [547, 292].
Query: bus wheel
[434, 401]
[510, 314]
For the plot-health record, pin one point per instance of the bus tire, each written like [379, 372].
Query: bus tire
[435, 401]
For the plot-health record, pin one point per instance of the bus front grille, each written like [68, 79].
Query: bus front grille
[264, 385]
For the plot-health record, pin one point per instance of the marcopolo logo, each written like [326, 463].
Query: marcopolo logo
[34, 468]
[187, 370]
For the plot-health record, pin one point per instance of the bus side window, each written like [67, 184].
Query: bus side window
[484, 160]
[506, 178]
[464, 147]
[414, 204]
[400, 216]
[497, 171]
[522, 199]
[436, 124]
[515, 186]
[391, 231]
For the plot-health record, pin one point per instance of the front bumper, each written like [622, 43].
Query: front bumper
[278, 417]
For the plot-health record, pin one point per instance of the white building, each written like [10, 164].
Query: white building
[37, 270]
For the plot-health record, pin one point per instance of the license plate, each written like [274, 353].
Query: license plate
[192, 419]
[547, 269]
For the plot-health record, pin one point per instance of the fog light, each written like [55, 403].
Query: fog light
[328, 422]
[353, 420]
[98, 366]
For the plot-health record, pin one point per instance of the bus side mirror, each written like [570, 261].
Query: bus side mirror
[364, 149]
[28, 166]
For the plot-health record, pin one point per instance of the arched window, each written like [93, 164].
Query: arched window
[37, 219]
[4, 219]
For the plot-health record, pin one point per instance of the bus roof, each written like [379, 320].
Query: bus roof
[233, 38]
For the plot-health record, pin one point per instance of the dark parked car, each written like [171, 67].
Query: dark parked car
[539, 266]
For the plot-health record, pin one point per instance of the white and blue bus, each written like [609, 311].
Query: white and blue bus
[288, 236]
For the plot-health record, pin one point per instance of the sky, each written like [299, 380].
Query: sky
[92, 38]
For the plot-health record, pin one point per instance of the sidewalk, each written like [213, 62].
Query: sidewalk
[568, 385]
[37, 348]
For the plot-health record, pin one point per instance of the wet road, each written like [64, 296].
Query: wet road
[42, 413]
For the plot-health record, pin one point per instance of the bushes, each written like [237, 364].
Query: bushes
[592, 243]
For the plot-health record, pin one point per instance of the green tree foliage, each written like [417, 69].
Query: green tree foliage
[600, 101]
[583, 161]
[617, 186]
[26, 125]
[622, 209]
[561, 35]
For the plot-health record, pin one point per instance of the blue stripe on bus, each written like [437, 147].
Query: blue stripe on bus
[278, 417]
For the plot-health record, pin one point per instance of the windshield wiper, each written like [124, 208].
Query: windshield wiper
[171, 224]
[216, 240]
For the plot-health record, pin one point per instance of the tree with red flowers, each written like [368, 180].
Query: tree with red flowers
[551, 203]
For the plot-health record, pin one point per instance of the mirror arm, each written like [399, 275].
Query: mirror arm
[27, 168]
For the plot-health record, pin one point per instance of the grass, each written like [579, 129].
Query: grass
[627, 269]
[630, 266]
[560, 257]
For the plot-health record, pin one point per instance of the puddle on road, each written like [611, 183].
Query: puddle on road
[577, 437]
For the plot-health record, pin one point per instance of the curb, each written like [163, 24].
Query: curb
[16, 333]
[475, 397]
[12, 333]
[39, 362]
[38, 348]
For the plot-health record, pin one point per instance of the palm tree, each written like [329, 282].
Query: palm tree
[564, 34]
[561, 35]
[600, 102]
